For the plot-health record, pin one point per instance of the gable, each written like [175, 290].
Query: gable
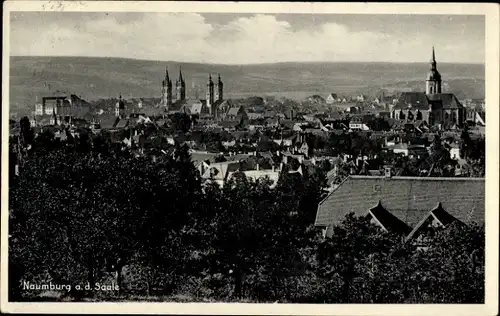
[407, 198]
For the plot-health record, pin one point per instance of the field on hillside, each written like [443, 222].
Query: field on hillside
[94, 78]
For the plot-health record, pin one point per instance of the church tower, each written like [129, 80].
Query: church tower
[219, 90]
[166, 90]
[433, 81]
[180, 87]
[210, 93]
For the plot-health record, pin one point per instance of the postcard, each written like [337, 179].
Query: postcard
[250, 158]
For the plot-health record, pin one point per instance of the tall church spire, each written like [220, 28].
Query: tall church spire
[166, 90]
[180, 86]
[433, 81]
[180, 74]
[219, 88]
[433, 60]
[167, 78]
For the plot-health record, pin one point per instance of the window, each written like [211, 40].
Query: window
[446, 116]
[419, 116]
[410, 116]
[401, 115]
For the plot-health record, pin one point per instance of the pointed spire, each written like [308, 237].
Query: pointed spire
[432, 64]
[219, 78]
[167, 78]
[180, 74]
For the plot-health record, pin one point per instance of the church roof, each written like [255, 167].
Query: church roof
[445, 100]
[413, 100]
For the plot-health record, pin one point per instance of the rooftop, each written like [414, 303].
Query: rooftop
[407, 198]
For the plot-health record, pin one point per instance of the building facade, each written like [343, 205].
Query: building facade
[432, 106]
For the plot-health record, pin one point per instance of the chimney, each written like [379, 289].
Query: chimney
[388, 173]
[257, 167]
[272, 169]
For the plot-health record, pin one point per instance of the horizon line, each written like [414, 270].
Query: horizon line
[248, 64]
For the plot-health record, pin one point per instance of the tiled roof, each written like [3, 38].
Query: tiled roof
[122, 123]
[200, 156]
[107, 121]
[414, 100]
[233, 111]
[389, 222]
[445, 101]
[408, 198]
[438, 213]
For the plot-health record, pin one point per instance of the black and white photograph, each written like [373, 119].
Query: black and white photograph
[243, 155]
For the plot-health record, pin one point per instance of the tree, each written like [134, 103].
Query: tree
[27, 135]
[181, 122]
[439, 160]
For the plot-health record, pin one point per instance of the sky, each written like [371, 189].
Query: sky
[226, 38]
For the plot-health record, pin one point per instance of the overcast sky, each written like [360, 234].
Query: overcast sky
[249, 38]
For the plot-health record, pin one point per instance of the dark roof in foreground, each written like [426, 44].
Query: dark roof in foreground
[407, 198]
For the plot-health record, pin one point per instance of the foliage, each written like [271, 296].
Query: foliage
[85, 210]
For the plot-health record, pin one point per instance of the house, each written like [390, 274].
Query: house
[331, 98]
[335, 124]
[385, 100]
[63, 105]
[394, 201]
[360, 98]
[219, 171]
[300, 126]
[408, 150]
[316, 99]
[255, 116]
[304, 149]
[197, 107]
[353, 109]
[455, 151]
[236, 114]
[361, 123]
[198, 156]
[286, 142]
[476, 117]
[259, 175]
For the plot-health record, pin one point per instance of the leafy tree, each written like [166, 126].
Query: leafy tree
[27, 134]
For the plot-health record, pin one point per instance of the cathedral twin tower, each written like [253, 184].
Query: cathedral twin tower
[214, 90]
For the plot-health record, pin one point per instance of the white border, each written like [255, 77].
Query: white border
[491, 12]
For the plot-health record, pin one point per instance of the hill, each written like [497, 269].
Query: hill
[94, 78]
